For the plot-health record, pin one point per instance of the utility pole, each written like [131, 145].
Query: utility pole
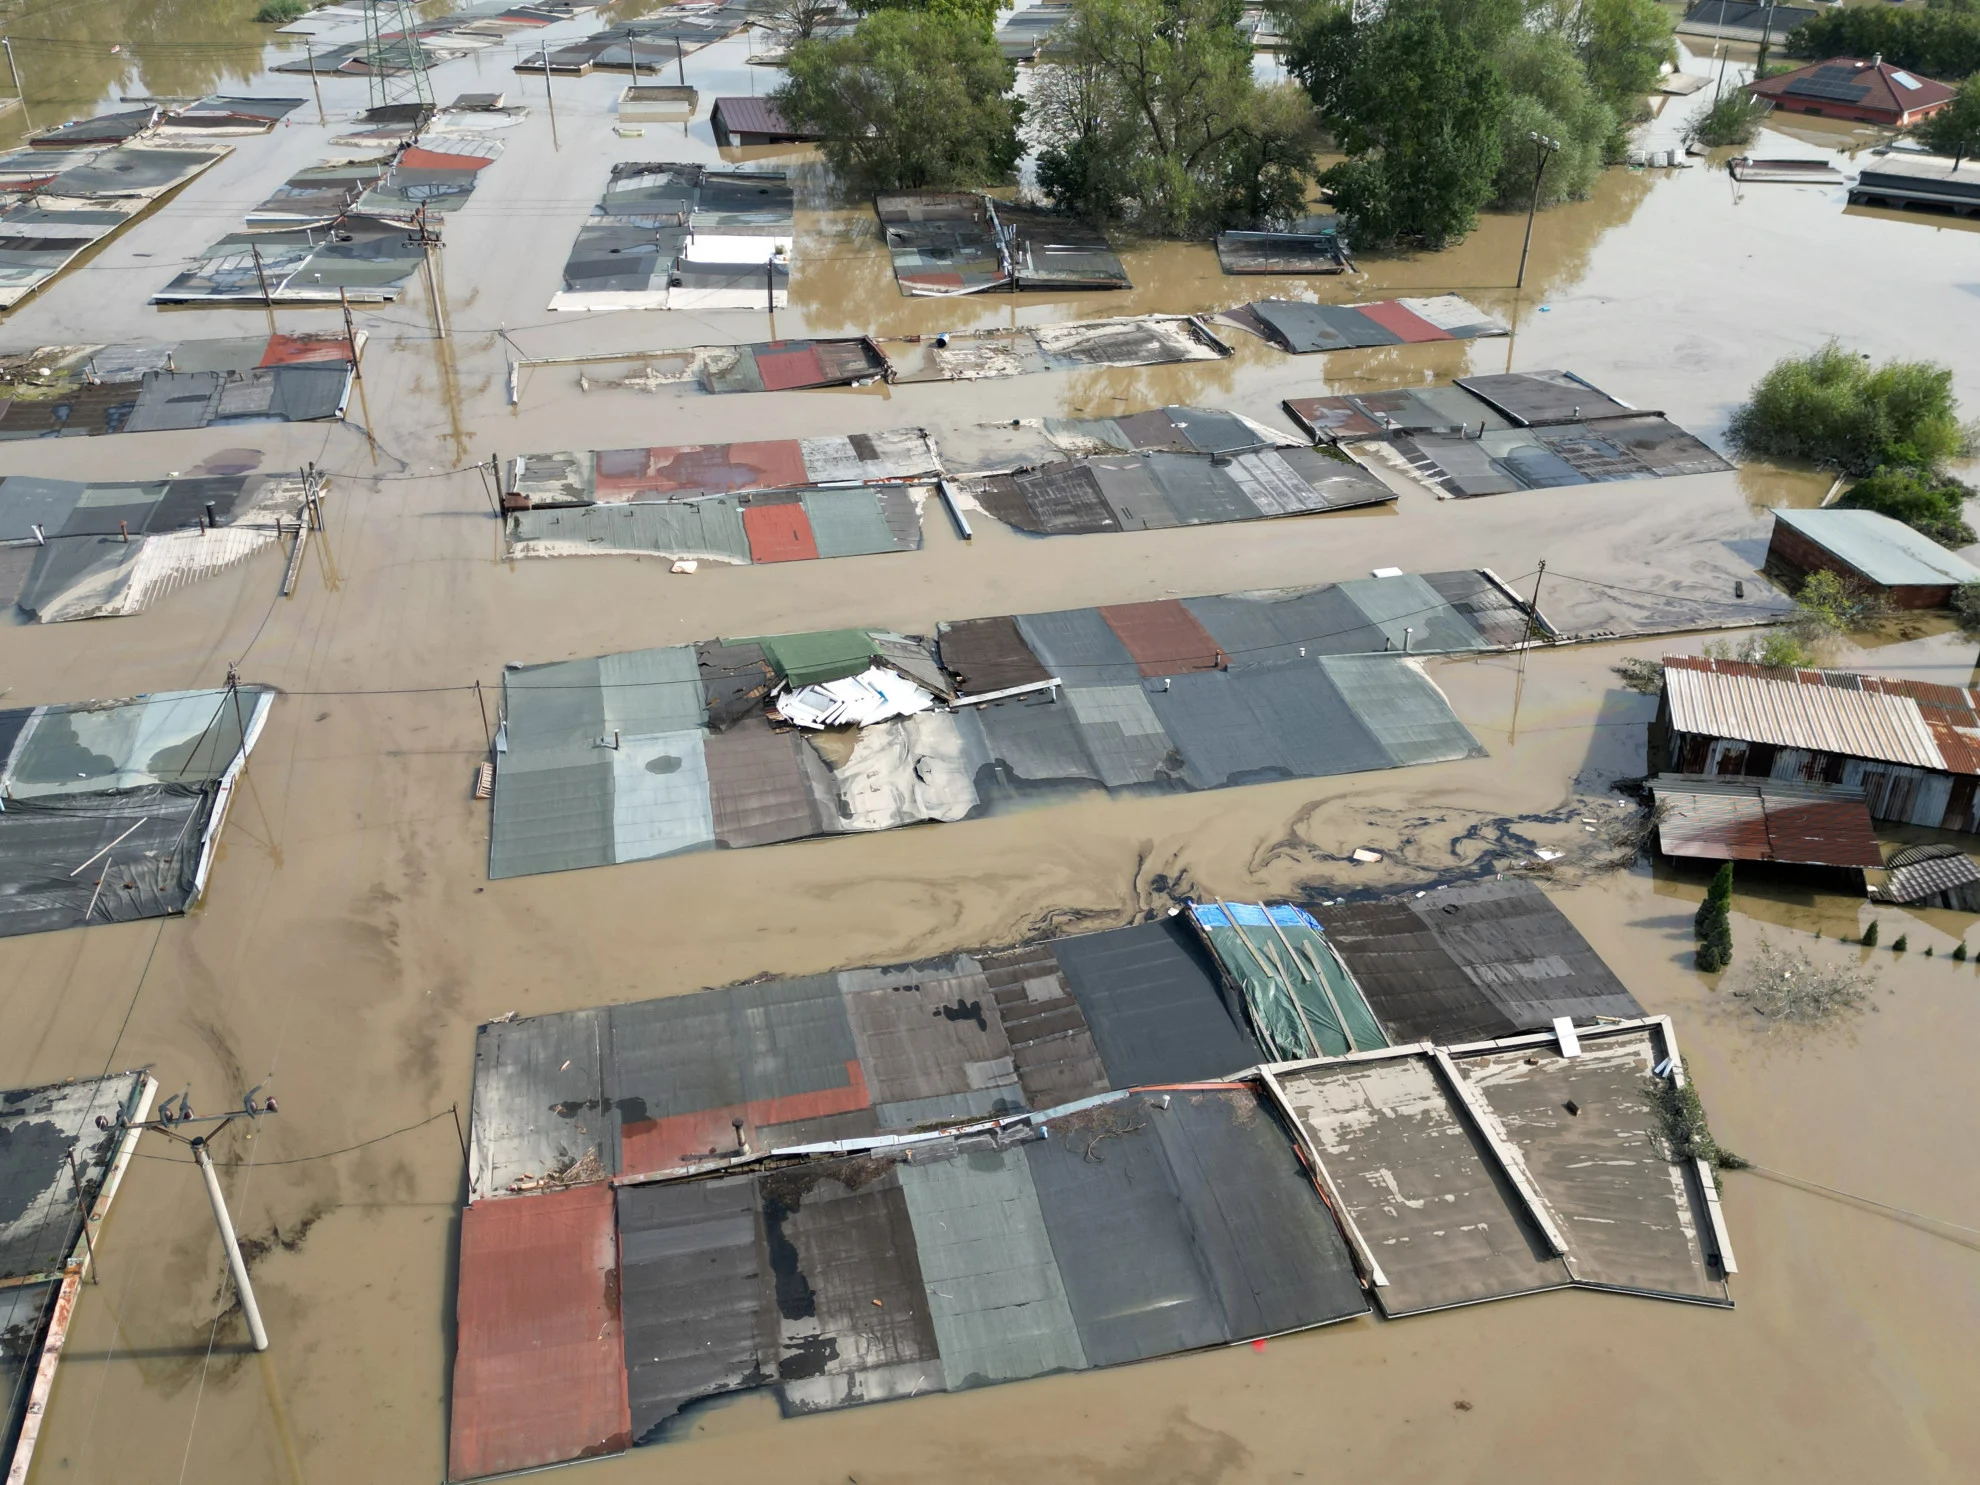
[1533, 609]
[549, 97]
[309, 50]
[1546, 148]
[350, 334]
[1766, 36]
[267, 299]
[173, 1114]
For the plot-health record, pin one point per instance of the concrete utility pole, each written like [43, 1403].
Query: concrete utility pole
[235, 1263]
[1546, 148]
[172, 1115]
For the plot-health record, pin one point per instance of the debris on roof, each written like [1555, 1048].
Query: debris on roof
[1026, 443]
[104, 550]
[642, 47]
[1760, 819]
[1931, 876]
[1484, 960]
[110, 810]
[978, 355]
[950, 243]
[679, 236]
[686, 471]
[444, 38]
[67, 391]
[59, 1170]
[1302, 328]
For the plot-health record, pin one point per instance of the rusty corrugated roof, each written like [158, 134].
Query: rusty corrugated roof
[1753, 819]
[1164, 637]
[1826, 711]
[539, 1364]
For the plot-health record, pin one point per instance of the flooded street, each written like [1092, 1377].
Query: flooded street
[340, 956]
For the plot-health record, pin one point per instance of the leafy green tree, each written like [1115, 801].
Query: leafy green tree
[1147, 110]
[1941, 42]
[979, 13]
[1551, 96]
[1955, 129]
[1834, 408]
[907, 101]
[1926, 501]
[1623, 44]
[1416, 100]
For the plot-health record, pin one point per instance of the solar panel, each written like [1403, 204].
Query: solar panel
[1821, 87]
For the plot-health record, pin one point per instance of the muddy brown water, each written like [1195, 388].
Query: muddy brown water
[351, 941]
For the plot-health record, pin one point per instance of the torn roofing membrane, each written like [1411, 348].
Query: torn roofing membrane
[112, 808]
[1173, 695]
[1302, 1000]
[675, 236]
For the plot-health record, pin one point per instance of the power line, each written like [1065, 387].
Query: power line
[324, 1155]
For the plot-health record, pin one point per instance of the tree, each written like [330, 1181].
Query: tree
[1551, 96]
[1941, 42]
[979, 13]
[1955, 129]
[1712, 926]
[1925, 500]
[1834, 408]
[1624, 44]
[1418, 104]
[907, 102]
[792, 21]
[1147, 109]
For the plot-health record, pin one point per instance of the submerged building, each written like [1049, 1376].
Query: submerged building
[1912, 747]
[1872, 92]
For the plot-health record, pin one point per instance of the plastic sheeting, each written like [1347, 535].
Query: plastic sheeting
[1303, 1001]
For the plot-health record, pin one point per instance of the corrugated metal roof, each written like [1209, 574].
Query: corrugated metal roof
[1155, 1002]
[539, 1363]
[1163, 636]
[1537, 398]
[987, 655]
[1402, 709]
[1887, 552]
[1473, 962]
[1943, 873]
[779, 532]
[1823, 711]
[1756, 819]
[754, 116]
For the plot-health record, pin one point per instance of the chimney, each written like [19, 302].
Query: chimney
[1878, 60]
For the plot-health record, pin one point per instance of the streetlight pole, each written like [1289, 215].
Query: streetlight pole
[1545, 147]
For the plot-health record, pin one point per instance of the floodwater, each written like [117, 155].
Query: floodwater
[342, 958]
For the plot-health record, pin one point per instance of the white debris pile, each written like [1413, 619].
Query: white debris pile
[874, 695]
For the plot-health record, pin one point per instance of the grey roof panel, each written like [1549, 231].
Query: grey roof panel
[553, 811]
[994, 1292]
[1394, 604]
[1034, 739]
[1079, 647]
[853, 1317]
[652, 691]
[763, 786]
[1537, 398]
[153, 837]
[1255, 723]
[848, 523]
[41, 1130]
[1051, 1043]
[660, 799]
[699, 1317]
[1155, 1003]
[1199, 491]
[1121, 734]
[538, 1099]
[927, 1037]
[1401, 708]
[708, 529]
[1260, 628]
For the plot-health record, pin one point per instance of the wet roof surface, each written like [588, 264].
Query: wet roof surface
[1763, 820]
[1473, 962]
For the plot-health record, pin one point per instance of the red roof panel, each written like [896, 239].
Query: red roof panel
[779, 533]
[648, 1146]
[539, 1361]
[1163, 637]
[289, 350]
[698, 469]
[785, 371]
[1412, 327]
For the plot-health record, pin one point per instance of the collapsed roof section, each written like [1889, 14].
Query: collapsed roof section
[55, 204]
[80, 390]
[674, 236]
[113, 808]
[1525, 430]
[687, 471]
[76, 550]
[650, 754]
[946, 244]
[1304, 252]
[979, 355]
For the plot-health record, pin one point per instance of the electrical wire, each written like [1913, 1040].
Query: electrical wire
[324, 1155]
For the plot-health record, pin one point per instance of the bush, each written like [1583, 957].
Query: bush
[1713, 924]
[1834, 408]
[1682, 1114]
[1959, 951]
[908, 101]
[1732, 120]
[1780, 649]
[281, 12]
[1870, 935]
[1933, 504]
[1782, 986]
[1902, 943]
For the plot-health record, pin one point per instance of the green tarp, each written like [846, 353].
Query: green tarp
[814, 659]
[1302, 1000]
